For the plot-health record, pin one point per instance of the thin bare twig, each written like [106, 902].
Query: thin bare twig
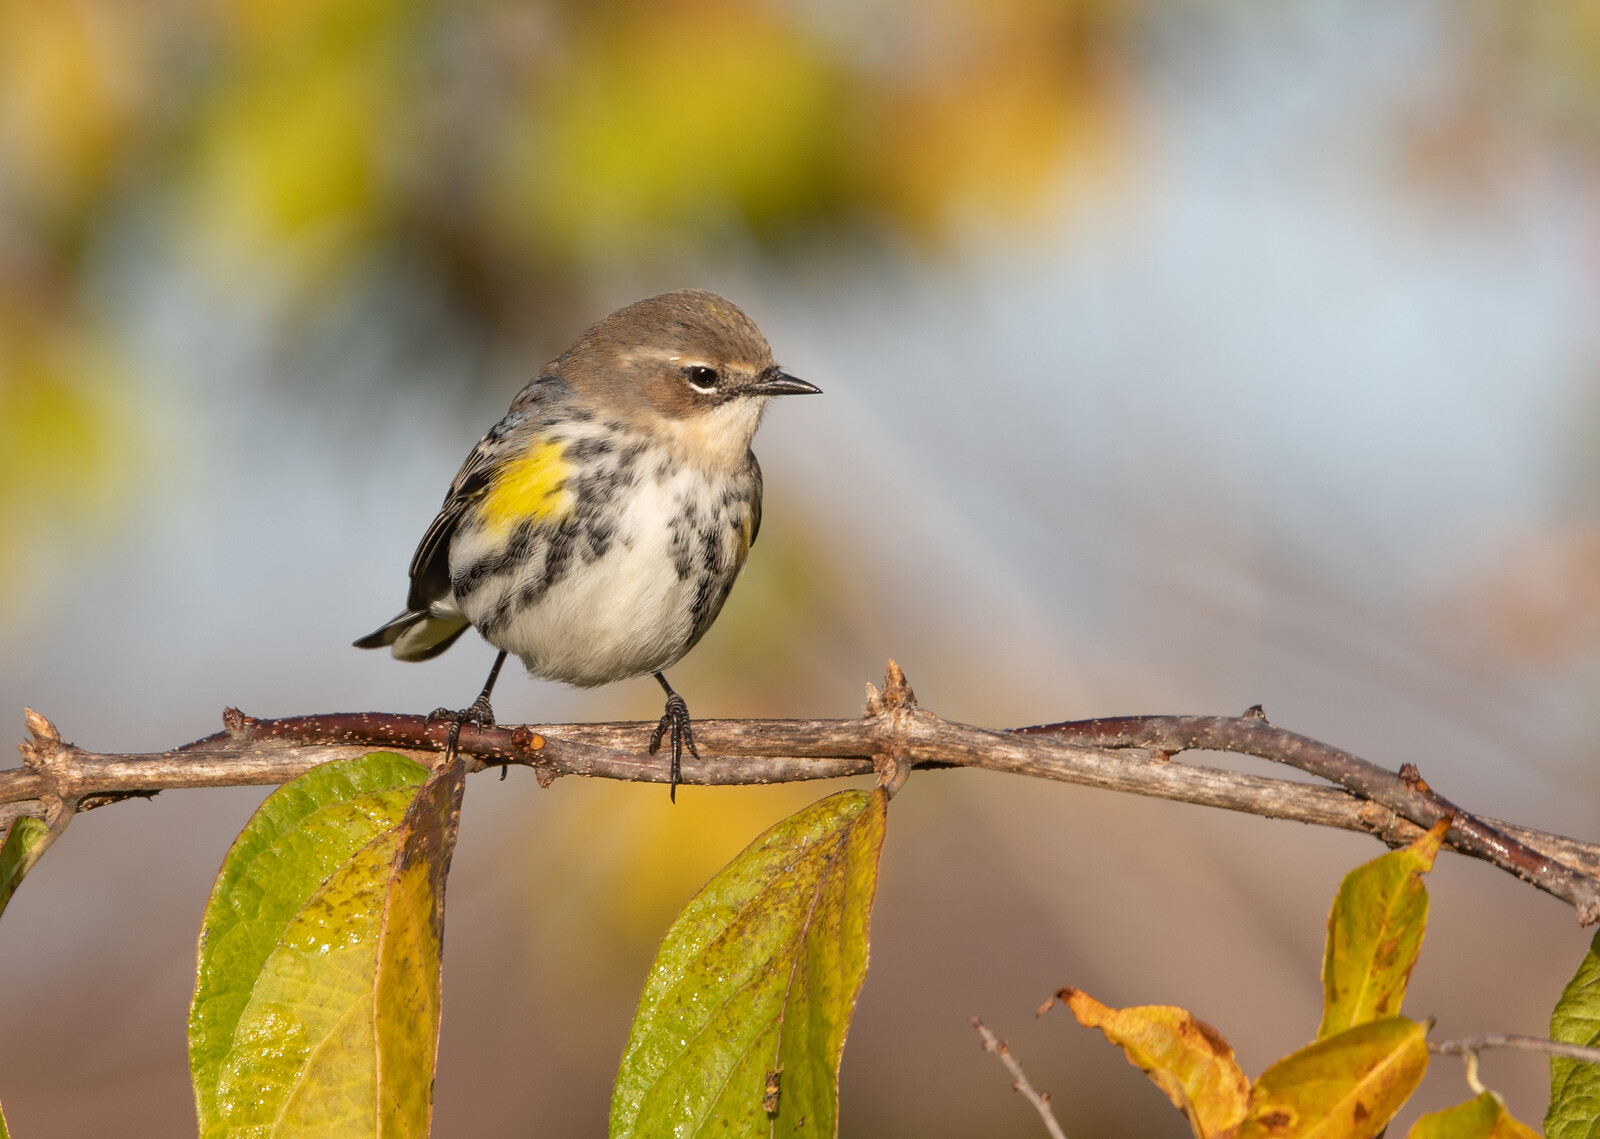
[1040, 1100]
[1468, 1048]
[1129, 755]
[1471, 1045]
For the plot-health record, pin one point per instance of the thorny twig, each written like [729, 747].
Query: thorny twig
[1406, 792]
[1132, 755]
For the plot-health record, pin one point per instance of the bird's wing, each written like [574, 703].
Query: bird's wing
[755, 502]
[430, 565]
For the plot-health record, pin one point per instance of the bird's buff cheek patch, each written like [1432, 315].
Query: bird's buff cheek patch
[533, 486]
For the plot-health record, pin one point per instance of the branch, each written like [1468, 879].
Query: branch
[1468, 1048]
[1132, 755]
[1472, 1045]
[1406, 793]
[1040, 1100]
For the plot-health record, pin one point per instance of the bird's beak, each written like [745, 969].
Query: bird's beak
[775, 382]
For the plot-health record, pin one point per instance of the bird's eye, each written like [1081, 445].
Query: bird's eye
[701, 378]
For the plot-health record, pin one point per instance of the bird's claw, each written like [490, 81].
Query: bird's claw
[676, 721]
[478, 713]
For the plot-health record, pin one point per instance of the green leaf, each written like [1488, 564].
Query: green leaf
[1485, 1117]
[1346, 1086]
[24, 842]
[1575, 1086]
[316, 1004]
[1374, 934]
[742, 1022]
[4, 1134]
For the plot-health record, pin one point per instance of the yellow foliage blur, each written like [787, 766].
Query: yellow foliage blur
[686, 117]
[637, 865]
[63, 434]
[72, 85]
[992, 103]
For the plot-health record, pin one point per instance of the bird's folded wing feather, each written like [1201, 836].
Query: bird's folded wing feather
[430, 565]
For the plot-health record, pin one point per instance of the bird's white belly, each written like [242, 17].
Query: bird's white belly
[626, 613]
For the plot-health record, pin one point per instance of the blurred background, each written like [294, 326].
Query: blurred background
[1179, 355]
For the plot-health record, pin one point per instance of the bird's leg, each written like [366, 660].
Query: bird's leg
[676, 720]
[479, 712]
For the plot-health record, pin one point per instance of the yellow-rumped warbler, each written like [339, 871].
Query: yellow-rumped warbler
[596, 530]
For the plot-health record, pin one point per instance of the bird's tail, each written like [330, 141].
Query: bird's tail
[416, 636]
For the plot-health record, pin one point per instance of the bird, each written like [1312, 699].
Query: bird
[595, 531]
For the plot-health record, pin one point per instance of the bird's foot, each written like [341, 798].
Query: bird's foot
[676, 721]
[478, 712]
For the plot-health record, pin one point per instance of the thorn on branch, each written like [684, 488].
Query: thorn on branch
[42, 730]
[1412, 778]
[234, 720]
[41, 749]
[896, 699]
[105, 799]
[896, 694]
[1255, 712]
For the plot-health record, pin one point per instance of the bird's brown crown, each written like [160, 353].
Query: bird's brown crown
[677, 354]
[688, 367]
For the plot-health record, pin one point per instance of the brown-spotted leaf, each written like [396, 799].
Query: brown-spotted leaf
[1185, 1057]
[1374, 934]
[316, 1007]
[743, 1017]
[1483, 1118]
[1346, 1086]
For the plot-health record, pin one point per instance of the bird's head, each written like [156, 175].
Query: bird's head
[687, 367]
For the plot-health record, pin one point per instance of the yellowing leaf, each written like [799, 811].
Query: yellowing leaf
[1575, 1086]
[1346, 1086]
[1187, 1058]
[743, 1018]
[317, 1003]
[1483, 1118]
[1374, 933]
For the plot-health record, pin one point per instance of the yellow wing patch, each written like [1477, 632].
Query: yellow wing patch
[531, 486]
